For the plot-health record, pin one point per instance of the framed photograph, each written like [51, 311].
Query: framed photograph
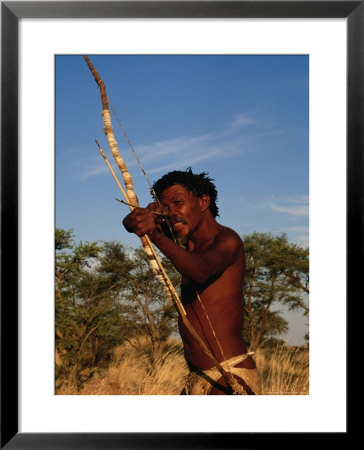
[34, 34]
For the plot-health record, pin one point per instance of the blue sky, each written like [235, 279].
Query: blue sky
[243, 119]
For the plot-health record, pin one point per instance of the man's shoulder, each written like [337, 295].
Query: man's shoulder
[228, 232]
[229, 237]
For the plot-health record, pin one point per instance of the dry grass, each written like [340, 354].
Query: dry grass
[284, 371]
[132, 371]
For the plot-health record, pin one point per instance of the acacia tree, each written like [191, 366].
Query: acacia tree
[88, 315]
[104, 295]
[277, 273]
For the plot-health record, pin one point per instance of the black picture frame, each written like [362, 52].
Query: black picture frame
[11, 12]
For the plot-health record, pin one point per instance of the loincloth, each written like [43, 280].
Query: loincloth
[201, 382]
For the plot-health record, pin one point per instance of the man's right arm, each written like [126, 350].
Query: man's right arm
[201, 266]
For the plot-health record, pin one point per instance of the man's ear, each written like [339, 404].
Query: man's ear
[204, 202]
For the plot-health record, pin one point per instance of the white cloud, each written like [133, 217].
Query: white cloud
[174, 147]
[294, 206]
[242, 120]
[181, 152]
[94, 171]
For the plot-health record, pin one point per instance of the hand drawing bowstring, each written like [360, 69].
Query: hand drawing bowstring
[131, 199]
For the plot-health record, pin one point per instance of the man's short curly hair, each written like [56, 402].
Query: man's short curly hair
[199, 184]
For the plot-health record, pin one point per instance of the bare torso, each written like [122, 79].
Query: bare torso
[215, 310]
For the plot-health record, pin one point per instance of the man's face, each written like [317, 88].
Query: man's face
[185, 210]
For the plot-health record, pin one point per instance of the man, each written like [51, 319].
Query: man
[210, 258]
